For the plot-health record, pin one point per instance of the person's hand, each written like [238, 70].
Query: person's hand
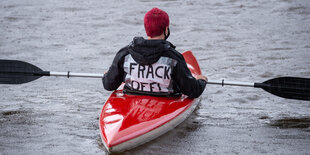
[201, 77]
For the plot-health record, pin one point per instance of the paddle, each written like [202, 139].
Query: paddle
[18, 72]
[286, 87]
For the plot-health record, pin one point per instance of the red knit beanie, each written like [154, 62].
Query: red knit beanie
[155, 22]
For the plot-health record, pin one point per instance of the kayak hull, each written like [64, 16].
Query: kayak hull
[119, 139]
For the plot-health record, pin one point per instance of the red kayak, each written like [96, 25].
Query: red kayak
[127, 121]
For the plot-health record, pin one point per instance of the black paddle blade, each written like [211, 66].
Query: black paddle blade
[288, 87]
[18, 72]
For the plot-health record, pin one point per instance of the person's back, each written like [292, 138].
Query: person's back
[153, 66]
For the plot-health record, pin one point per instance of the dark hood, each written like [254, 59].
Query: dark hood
[147, 52]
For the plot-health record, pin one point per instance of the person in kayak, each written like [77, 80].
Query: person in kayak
[152, 66]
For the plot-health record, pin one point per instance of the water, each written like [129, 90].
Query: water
[249, 41]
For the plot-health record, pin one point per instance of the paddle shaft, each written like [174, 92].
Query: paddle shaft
[231, 83]
[97, 75]
[72, 74]
[94, 75]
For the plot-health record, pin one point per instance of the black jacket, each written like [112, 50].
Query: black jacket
[156, 62]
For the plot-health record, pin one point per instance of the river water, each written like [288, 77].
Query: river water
[239, 40]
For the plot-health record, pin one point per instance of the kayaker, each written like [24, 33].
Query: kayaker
[152, 66]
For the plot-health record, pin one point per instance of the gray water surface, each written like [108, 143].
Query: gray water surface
[249, 41]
